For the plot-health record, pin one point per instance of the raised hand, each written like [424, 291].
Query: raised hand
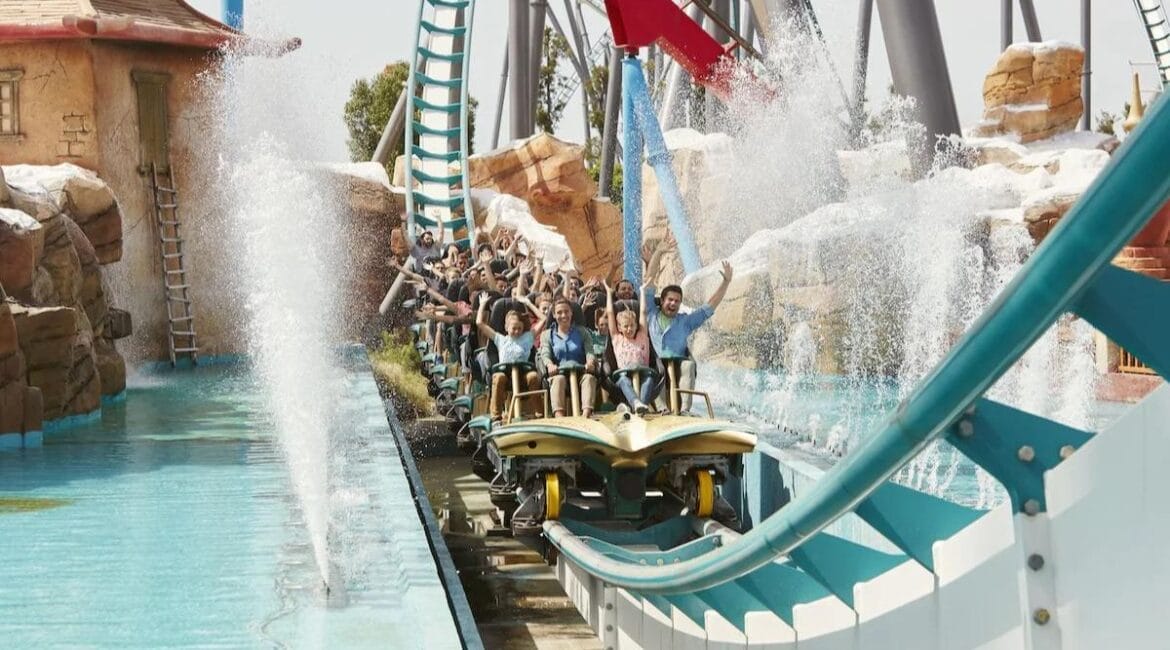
[726, 271]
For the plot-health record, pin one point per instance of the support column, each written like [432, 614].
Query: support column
[1031, 23]
[584, 62]
[631, 177]
[500, 98]
[519, 101]
[613, 99]
[637, 101]
[676, 84]
[395, 129]
[1087, 80]
[233, 13]
[861, 62]
[535, 55]
[1006, 18]
[919, 65]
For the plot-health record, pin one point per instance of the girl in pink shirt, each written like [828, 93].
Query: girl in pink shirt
[631, 349]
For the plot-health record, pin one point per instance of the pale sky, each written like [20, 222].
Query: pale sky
[348, 39]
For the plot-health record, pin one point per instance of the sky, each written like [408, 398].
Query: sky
[349, 39]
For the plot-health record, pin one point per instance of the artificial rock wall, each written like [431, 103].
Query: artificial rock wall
[58, 227]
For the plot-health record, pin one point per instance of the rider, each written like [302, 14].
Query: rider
[514, 346]
[424, 247]
[631, 349]
[670, 331]
[565, 342]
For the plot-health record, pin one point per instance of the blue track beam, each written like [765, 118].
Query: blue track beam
[781, 587]
[631, 177]
[839, 564]
[1134, 311]
[1016, 448]
[634, 87]
[913, 521]
[233, 13]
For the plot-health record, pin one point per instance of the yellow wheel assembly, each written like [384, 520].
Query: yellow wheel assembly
[552, 496]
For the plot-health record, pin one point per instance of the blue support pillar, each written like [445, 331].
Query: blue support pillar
[636, 100]
[233, 13]
[631, 175]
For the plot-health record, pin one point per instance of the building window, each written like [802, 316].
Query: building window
[10, 102]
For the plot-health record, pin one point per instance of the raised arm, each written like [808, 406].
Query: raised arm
[480, 321]
[521, 289]
[438, 295]
[609, 315]
[537, 268]
[512, 247]
[717, 297]
[654, 263]
[642, 320]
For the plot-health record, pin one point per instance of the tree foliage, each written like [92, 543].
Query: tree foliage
[554, 80]
[369, 107]
[371, 101]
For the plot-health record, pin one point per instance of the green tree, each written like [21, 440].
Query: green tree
[369, 107]
[371, 101]
[553, 82]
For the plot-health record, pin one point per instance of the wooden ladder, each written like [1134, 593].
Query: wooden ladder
[176, 288]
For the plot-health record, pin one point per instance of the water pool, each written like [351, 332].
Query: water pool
[171, 522]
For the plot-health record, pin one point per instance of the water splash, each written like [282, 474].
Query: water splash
[280, 235]
[913, 264]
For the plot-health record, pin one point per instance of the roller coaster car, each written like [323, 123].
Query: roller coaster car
[620, 468]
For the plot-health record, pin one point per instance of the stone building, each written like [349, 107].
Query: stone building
[112, 86]
[94, 95]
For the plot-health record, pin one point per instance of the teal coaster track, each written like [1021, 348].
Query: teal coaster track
[437, 115]
[1071, 273]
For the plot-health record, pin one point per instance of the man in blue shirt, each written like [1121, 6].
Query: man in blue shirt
[670, 331]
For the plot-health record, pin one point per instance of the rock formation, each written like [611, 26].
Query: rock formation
[550, 176]
[58, 226]
[20, 404]
[1033, 91]
[371, 214]
[822, 271]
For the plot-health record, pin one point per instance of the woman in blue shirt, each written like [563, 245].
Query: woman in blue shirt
[562, 343]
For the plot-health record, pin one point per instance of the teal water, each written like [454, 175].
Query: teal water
[820, 419]
[171, 523]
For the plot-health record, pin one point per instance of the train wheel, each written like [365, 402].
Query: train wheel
[702, 493]
[552, 496]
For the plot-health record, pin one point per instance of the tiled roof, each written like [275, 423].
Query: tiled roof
[164, 13]
[153, 16]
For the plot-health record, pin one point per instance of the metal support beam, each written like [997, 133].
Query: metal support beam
[455, 95]
[1031, 23]
[520, 96]
[919, 65]
[1006, 18]
[748, 25]
[394, 131]
[1015, 447]
[539, 8]
[861, 61]
[582, 61]
[500, 98]
[676, 84]
[642, 127]
[1087, 80]
[613, 99]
